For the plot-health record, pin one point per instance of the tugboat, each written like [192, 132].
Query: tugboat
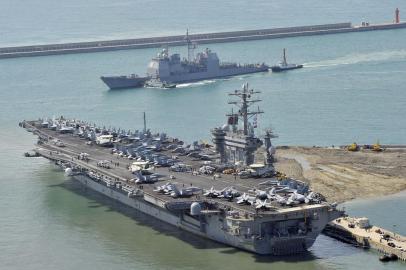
[157, 83]
[283, 65]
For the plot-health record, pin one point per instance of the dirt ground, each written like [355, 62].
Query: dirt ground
[341, 175]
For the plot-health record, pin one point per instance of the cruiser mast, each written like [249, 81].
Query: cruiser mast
[190, 47]
[246, 101]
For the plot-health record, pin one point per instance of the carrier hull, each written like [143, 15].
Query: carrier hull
[213, 226]
[281, 218]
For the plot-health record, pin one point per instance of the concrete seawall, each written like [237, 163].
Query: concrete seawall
[353, 231]
[221, 37]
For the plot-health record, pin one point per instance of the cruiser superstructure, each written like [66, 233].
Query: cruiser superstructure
[169, 69]
[219, 192]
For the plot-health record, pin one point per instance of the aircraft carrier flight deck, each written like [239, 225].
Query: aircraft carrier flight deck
[222, 191]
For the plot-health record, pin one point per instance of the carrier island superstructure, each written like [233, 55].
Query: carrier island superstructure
[223, 192]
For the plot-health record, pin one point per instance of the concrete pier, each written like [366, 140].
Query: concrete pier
[359, 232]
[205, 38]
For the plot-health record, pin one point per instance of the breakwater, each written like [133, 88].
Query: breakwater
[221, 37]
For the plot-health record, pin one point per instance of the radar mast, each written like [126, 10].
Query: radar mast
[246, 100]
[190, 47]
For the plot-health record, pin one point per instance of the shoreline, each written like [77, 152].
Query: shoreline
[342, 175]
[395, 195]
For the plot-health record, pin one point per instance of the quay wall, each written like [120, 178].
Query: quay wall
[366, 238]
[178, 40]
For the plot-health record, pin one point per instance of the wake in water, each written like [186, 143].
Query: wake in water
[195, 84]
[352, 59]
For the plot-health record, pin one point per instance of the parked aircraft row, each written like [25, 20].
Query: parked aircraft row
[172, 190]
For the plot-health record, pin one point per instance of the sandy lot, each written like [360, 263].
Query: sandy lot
[341, 175]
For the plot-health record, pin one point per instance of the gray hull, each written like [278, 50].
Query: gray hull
[117, 82]
[221, 73]
[214, 226]
[170, 69]
[281, 69]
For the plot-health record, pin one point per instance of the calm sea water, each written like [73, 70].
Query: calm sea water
[352, 89]
[48, 21]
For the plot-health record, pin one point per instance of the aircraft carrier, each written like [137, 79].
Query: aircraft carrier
[223, 191]
[165, 70]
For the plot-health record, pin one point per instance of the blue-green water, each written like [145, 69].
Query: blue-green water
[45, 21]
[352, 89]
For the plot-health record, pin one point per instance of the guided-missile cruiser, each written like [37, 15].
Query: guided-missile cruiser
[166, 70]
